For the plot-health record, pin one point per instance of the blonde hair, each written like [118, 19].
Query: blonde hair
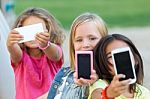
[53, 26]
[83, 18]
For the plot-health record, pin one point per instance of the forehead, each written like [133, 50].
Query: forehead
[33, 20]
[87, 28]
[115, 44]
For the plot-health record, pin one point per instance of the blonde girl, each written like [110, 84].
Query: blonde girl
[86, 30]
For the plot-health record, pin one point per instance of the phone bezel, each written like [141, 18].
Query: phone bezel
[76, 60]
[120, 50]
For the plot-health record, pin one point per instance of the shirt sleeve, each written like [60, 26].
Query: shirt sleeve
[99, 84]
[143, 92]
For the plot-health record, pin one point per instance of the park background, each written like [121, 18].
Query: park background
[127, 17]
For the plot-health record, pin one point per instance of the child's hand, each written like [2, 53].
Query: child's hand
[43, 38]
[117, 87]
[13, 38]
[83, 81]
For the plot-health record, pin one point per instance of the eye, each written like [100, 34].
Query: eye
[109, 58]
[92, 38]
[78, 40]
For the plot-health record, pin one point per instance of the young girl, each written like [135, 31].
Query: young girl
[36, 62]
[86, 31]
[104, 68]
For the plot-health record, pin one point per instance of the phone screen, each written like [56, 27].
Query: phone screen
[84, 65]
[123, 64]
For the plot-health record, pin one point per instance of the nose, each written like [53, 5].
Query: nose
[86, 45]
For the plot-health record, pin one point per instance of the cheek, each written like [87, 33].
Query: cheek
[76, 46]
[95, 43]
[112, 70]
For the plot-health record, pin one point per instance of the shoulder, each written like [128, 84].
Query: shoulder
[25, 59]
[25, 56]
[99, 84]
[143, 92]
[62, 73]
[64, 70]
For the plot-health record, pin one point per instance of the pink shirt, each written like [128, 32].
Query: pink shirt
[34, 76]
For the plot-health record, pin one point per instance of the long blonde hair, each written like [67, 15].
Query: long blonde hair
[83, 18]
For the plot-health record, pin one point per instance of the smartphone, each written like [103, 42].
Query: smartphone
[123, 63]
[84, 64]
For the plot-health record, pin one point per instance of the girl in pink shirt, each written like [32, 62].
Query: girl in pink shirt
[35, 62]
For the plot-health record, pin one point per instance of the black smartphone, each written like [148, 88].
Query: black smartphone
[123, 63]
[84, 64]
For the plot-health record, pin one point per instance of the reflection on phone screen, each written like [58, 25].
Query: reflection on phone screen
[84, 66]
[123, 64]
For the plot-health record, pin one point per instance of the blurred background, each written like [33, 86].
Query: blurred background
[128, 17]
[116, 13]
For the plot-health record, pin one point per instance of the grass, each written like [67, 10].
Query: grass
[116, 13]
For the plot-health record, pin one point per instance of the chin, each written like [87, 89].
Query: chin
[31, 44]
[35, 46]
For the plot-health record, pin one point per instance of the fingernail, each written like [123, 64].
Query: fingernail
[124, 76]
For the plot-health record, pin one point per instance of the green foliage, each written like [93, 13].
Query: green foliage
[116, 13]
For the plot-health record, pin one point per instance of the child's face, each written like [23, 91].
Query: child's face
[113, 45]
[86, 37]
[33, 20]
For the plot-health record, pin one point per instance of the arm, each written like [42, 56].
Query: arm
[12, 45]
[52, 51]
[96, 94]
[116, 88]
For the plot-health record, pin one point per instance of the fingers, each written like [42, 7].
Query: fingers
[118, 87]
[42, 38]
[82, 81]
[86, 82]
[94, 77]
[123, 82]
[75, 74]
[15, 34]
[14, 37]
[117, 77]
[120, 83]
[76, 80]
